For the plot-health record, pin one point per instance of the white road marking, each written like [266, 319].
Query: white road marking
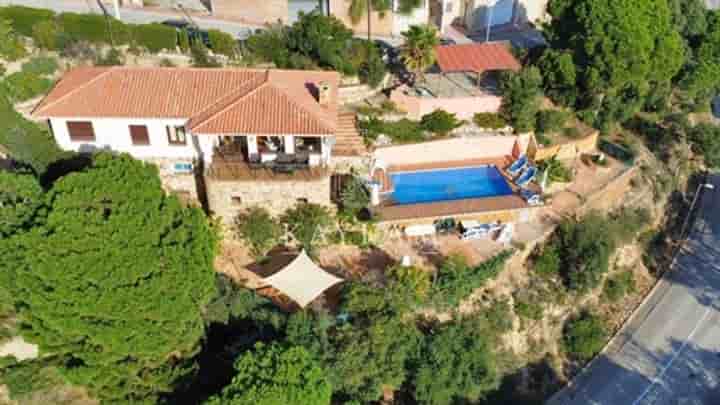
[659, 377]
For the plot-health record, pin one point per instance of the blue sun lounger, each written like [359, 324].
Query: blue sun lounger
[527, 176]
[518, 165]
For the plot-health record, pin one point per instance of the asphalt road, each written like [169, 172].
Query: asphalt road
[670, 352]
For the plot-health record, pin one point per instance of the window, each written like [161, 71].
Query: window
[236, 200]
[80, 131]
[139, 135]
[182, 168]
[176, 135]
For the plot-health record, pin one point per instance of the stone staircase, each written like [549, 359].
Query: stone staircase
[348, 141]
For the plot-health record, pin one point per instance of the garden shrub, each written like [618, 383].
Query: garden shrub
[440, 122]
[414, 280]
[23, 19]
[307, 222]
[155, 37]
[11, 46]
[354, 197]
[259, 229]
[112, 57]
[183, 40]
[22, 86]
[705, 139]
[547, 262]
[456, 280]
[489, 120]
[618, 286]
[572, 132]
[551, 121]
[584, 336]
[623, 153]
[584, 247]
[222, 43]
[41, 65]
[45, 35]
[366, 60]
[527, 306]
[627, 223]
[556, 171]
[201, 58]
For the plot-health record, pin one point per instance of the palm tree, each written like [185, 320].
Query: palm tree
[359, 8]
[419, 49]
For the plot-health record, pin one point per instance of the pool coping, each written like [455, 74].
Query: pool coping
[460, 207]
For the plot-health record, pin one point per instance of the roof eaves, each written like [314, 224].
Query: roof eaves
[40, 106]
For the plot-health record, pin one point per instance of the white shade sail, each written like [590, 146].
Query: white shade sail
[302, 280]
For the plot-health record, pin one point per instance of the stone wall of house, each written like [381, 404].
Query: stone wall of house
[182, 184]
[228, 198]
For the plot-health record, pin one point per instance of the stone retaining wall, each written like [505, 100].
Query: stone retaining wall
[181, 184]
[228, 198]
[356, 92]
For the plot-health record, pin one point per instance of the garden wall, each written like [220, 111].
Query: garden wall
[565, 150]
[463, 107]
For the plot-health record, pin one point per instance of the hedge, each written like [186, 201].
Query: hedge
[23, 19]
[222, 43]
[93, 28]
[155, 37]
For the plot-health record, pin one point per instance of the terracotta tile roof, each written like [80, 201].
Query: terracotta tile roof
[214, 101]
[475, 57]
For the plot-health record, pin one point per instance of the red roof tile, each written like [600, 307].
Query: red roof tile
[475, 58]
[214, 101]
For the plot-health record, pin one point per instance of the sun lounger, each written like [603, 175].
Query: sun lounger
[506, 234]
[527, 176]
[518, 165]
[530, 197]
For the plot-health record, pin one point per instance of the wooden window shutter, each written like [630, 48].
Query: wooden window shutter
[139, 135]
[81, 131]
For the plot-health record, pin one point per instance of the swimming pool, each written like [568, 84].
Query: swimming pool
[448, 184]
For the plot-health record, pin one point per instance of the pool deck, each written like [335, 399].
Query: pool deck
[391, 212]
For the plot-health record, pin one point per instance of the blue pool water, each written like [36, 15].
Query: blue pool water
[448, 184]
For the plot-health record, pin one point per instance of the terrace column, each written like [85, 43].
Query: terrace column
[289, 144]
[252, 145]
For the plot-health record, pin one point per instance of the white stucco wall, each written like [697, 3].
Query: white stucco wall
[401, 22]
[114, 134]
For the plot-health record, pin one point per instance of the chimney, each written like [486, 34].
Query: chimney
[324, 93]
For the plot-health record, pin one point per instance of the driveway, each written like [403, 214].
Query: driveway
[670, 352]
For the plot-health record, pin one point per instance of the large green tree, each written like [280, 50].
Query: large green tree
[276, 375]
[457, 365]
[621, 50]
[521, 98]
[702, 78]
[113, 279]
[21, 201]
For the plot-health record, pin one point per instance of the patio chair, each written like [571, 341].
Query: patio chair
[527, 176]
[518, 165]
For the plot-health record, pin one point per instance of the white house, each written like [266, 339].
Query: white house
[174, 116]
